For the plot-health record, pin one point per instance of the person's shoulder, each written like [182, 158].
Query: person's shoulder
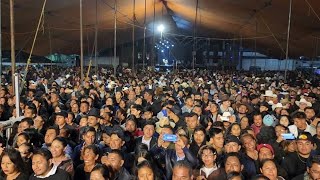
[299, 177]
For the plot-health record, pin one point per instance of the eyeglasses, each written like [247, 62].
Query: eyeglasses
[207, 155]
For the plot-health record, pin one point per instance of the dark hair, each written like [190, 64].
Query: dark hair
[138, 107]
[267, 135]
[200, 128]
[102, 169]
[62, 140]
[32, 107]
[299, 115]
[231, 154]
[55, 128]
[15, 157]
[206, 147]
[257, 114]
[149, 165]
[265, 161]
[315, 160]
[118, 152]
[26, 136]
[94, 148]
[234, 174]
[43, 152]
[89, 129]
[310, 108]
[260, 176]
[228, 132]
[27, 120]
[215, 131]
[184, 164]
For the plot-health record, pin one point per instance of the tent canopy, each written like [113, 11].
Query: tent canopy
[263, 20]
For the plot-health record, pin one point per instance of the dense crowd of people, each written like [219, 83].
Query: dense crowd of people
[149, 125]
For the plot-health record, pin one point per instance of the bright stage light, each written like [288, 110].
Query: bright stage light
[161, 28]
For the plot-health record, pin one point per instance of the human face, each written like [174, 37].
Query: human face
[56, 149]
[22, 126]
[40, 165]
[232, 164]
[235, 130]
[197, 110]
[24, 151]
[145, 173]
[279, 130]
[8, 166]
[314, 171]
[89, 138]
[147, 115]
[218, 140]
[106, 139]
[131, 126]
[75, 108]
[181, 173]
[115, 142]
[257, 120]
[50, 136]
[192, 122]
[20, 140]
[249, 143]
[115, 161]
[232, 147]
[60, 120]
[265, 153]
[189, 102]
[92, 121]
[269, 169]
[38, 122]
[300, 123]
[148, 131]
[96, 175]
[244, 123]
[284, 121]
[304, 147]
[84, 108]
[242, 109]
[310, 113]
[89, 157]
[199, 137]
[208, 158]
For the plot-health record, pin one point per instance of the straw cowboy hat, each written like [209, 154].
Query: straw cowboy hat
[269, 93]
[302, 100]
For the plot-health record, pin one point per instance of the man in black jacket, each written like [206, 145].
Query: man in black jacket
[147, 138]
[44, 169]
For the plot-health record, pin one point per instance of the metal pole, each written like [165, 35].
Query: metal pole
[288, 38]
[81, 42]
[50, 46]
[0, 46]
[133, 28]
[153, 33]
[115, 34]
[13, 56]
[194, 36]
[96, 40]
[144, 34]
[16, 86]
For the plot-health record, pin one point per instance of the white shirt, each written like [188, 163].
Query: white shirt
[50, 173]
[146, 142]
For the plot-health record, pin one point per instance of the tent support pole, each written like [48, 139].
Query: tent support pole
[13, 56]
[81, 43]
[288, 39]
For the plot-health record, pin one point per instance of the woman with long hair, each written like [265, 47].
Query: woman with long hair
[12, 166]
[199, 140]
